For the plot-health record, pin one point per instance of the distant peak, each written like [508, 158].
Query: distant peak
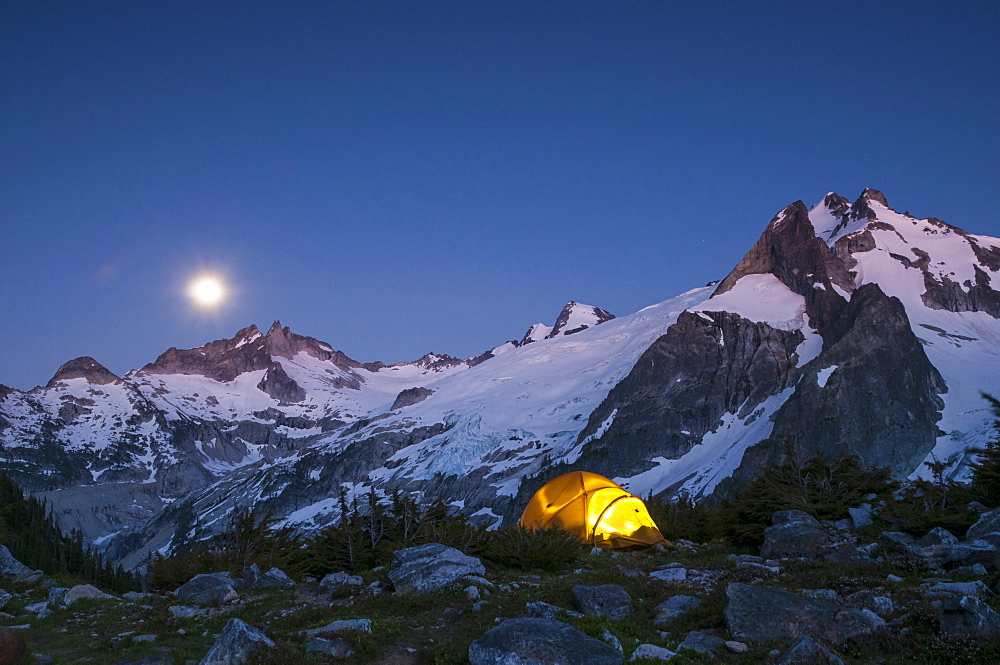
[536, 332]
[576, 316]
[250, 331]
[874, 195]
[275, 328]
[83, 367]
[836, 203]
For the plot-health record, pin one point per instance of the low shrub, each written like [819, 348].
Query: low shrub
[540, 549]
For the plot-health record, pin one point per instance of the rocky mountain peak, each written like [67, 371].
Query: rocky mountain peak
[836, 204]
[83, 367]
[536, 332]
[870, 194]
[576, 317]
[222, 360]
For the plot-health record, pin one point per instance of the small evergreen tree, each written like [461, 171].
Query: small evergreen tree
[985, 486]
[29, 529]
[822, 487]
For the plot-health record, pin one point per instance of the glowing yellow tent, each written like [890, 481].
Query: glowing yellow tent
[594, 509]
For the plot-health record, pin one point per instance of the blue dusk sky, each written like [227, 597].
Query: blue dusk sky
[397, 178]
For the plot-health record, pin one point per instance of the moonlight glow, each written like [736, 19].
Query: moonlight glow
[206, 291]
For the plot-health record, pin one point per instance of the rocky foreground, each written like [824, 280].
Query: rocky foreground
[816, 592]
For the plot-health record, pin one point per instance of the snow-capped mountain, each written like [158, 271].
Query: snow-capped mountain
[110, 452]
[848, 327]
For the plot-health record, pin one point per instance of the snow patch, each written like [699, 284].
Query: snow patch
[824, 374]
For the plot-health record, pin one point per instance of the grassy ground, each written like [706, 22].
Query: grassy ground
[437, 628]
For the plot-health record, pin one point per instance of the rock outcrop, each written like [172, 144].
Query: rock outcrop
[766, 614]
[235, 643]
[537, 641]
[429, 567]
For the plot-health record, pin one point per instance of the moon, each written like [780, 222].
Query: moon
[207, 290]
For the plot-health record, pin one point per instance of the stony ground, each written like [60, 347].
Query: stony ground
[897, 602]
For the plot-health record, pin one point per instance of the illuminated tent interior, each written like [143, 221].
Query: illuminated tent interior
[594, 509]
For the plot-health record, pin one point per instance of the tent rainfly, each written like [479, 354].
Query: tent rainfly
[594, 509]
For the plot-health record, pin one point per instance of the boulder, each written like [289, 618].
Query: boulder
[969, 616]
[795, 533]
[609, 637]
[57, 596]
[861, 516]
[651, 651]
[539, 642]
[670, 575]
[85, 591]
[673, 607]
[251, 575]
[936, 536]
[4, 597]
[13, 650]
[336, 581]
[975, 588]
[807, 651]
[335, 648]
[275, 577]
[361, 625]
[207, 589]
[945, 555]
[542, 610]
[986, 524]
[890, 542]
[846, 552]
[429, 567]
[15, 571]
[234, 643]
[185, 611]
[605, 600]
[975, 552]
[765, 614]
[702, 643]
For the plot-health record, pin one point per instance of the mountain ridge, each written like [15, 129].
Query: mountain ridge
[846, 327]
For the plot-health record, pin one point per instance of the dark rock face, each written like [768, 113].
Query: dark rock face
[540, 642]
[765, 614]
[84, 367]
[881, 403]
[605, 600]
[411, 396]
[225, 359]
[682, 386]
[967, 297]
[280, 386]
[790, 250]
[222, 360]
